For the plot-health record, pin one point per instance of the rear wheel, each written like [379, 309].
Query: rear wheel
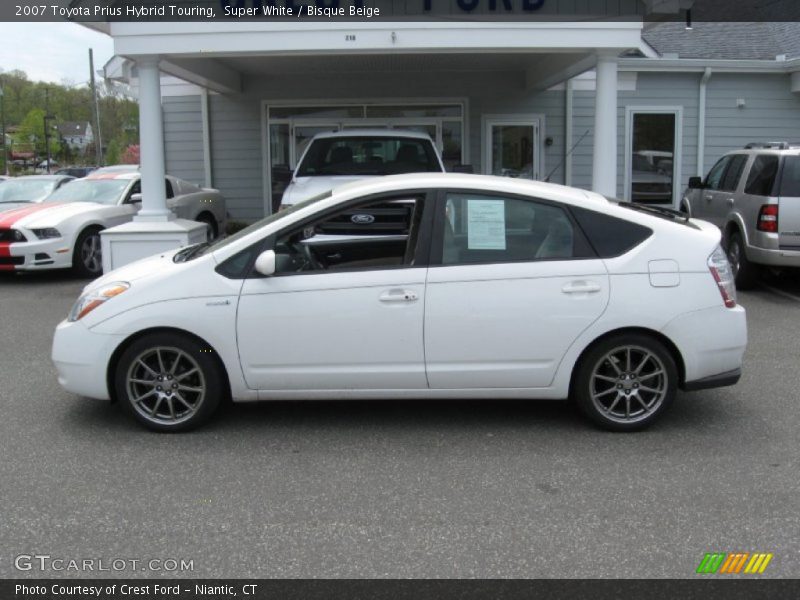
[169, 382]
[87, 257]
[745, 273]
[626, 382]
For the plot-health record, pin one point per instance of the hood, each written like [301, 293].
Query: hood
[6, 206]
[49, 214]
[303, 188]
[152, 265]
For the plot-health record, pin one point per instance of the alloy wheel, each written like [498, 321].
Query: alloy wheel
[92, 253]
[628, 384]
[165, 385]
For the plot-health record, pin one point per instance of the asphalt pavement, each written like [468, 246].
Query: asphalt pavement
[399, 489]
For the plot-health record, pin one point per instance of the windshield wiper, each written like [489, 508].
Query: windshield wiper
[188, 252]
[659, 210]
[16, 201]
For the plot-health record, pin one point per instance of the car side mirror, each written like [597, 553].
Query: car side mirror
[136, 198]
[695, 183]
[265, 263]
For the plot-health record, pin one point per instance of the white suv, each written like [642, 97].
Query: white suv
[334, 158]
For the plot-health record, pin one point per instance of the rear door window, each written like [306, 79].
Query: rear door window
[734, 171]
[761, 180]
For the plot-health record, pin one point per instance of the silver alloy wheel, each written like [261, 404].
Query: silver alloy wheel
[92, 253]
[734, 255]
[165, 385]
[628, 384]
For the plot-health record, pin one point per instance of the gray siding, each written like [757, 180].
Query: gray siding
[183, 138]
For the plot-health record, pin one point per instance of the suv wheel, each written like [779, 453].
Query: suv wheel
[626, 382]
[745, 273]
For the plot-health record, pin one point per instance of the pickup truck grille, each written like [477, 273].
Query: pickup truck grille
[381, 219]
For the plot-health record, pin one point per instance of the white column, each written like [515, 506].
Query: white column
[151, 143]
[604, 164]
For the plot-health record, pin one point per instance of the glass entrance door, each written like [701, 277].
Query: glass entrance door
[651, 161]
[512, 148]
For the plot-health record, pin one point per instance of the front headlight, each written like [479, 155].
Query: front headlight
[46, 233]
[88, 302]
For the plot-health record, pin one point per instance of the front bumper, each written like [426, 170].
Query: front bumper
[712, 342]
[40, 254]
[81, 358]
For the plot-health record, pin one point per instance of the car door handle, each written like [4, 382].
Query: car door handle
[398, 295]
[709, 197]
[730, 201]
[581, 287]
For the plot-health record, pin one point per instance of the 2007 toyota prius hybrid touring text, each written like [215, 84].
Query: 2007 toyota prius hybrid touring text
[483, 287]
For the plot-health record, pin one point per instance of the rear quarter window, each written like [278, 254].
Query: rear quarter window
[790, 177]
[609, 235]
[761, 180]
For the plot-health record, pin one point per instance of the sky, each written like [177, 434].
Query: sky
[53, 52]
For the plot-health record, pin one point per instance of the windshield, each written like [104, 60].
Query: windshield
[26, 190]
[368, 155]
[205, 248]
[102, 191]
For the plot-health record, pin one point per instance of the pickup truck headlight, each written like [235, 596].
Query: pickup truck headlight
[46, 233]
[88, 302]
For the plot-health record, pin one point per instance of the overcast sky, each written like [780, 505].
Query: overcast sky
[52, 51]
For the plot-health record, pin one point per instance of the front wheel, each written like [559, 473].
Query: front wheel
[745, 273]
[87, 257]
[169, 382]
[626, 382]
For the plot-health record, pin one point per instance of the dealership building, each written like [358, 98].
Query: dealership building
[615, 103]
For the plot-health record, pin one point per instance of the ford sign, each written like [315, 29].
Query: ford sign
[362, 219]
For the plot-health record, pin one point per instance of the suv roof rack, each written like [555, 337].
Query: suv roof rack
[775, 145]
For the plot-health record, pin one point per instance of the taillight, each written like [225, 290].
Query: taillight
[768, 218]
[723, 274]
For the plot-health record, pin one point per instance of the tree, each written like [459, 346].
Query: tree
[131, 155]
[31, 131]
[113, 152]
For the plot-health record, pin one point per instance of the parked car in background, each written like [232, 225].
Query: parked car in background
[338, 157]
[29, 189]
[64, 230]
[753, 196]
[76, 172]
[503, 288]
[116, 169]
[649, 183]
[4, 178]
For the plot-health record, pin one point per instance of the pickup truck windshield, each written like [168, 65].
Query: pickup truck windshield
[368, 155]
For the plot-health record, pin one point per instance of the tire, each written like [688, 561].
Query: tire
[87, 257]
[211, 222]
[745, 273]
[615, 378]
[189, 392]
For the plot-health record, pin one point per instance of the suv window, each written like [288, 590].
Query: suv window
[715, 175]
[761, 179]
[479, 228]
[368, 155]
[731, 179]
[790, 177]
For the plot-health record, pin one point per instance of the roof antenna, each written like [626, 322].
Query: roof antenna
[566, 156]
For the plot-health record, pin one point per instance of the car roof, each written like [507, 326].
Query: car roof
[468, 181]
[395, 133]
[114, 175]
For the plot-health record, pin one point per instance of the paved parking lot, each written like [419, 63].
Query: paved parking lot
[401, 489]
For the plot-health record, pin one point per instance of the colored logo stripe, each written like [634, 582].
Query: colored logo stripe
[8, 218]
[734, 562]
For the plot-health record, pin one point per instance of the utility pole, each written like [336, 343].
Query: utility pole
[3, 126]
[98, 144]
[47, 118]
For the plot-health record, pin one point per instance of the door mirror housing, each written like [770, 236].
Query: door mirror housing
[265, 263]
[136, 199]
[695, 183]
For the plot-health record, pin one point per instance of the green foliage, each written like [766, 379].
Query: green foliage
[113, 151]
[31, 131]
[25, 102]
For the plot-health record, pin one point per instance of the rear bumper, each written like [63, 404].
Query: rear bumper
[773, 258]
[714, 381]
[711, 342]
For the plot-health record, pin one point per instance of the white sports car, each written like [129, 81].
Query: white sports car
[64, 230]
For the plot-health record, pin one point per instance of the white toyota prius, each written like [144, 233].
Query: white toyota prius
[492, 288]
